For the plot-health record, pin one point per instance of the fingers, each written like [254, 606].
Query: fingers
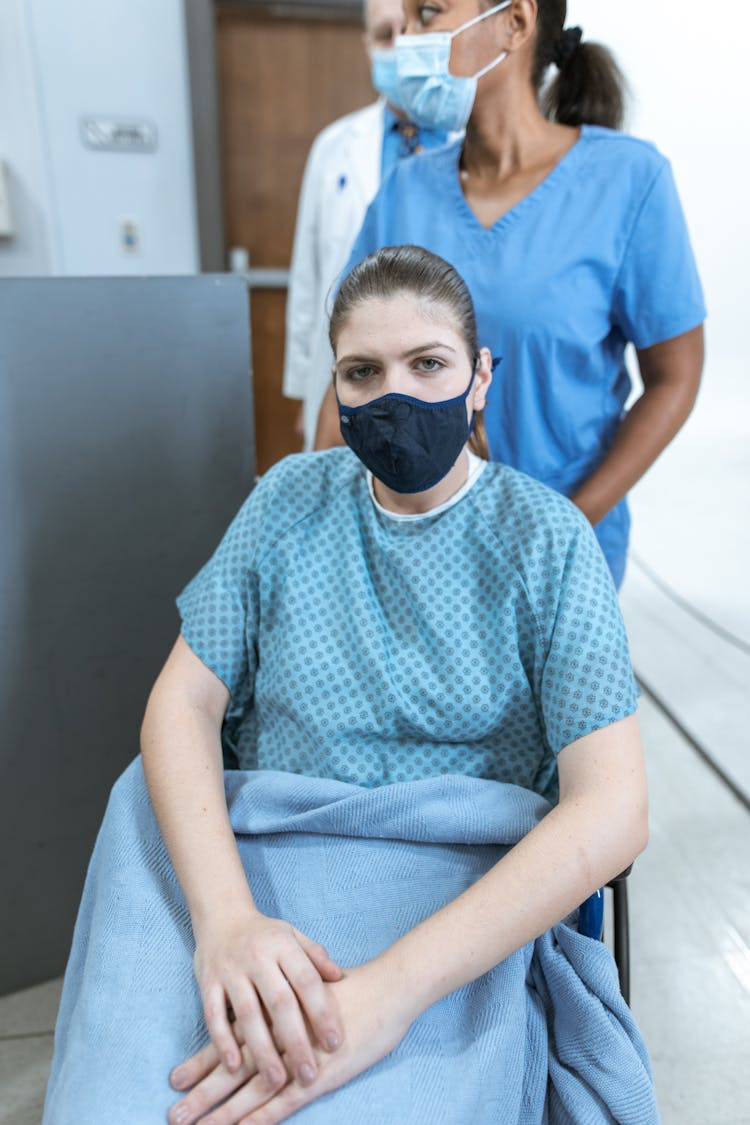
[256, 1034]
[220, 1030]
[195, 1068]
[268, 973]
[327, 968]
[245, 1101]
[287, 1102]
[315, 998]
[288, 1024]
[213, 1088]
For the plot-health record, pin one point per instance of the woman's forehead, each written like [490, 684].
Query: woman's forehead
[405, 316]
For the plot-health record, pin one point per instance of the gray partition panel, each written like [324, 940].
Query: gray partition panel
[126, 445]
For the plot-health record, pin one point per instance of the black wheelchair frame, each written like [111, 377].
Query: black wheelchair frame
[621, 929]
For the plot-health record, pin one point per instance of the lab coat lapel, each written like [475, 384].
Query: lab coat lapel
[365, 150]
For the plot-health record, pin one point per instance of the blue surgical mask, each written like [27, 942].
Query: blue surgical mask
[383, 73]
[408, 444]
[425, 88]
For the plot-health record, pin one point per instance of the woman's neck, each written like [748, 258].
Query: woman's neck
[507, 132]
[418, 503]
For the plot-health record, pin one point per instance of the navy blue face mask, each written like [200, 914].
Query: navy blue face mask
[408, 444]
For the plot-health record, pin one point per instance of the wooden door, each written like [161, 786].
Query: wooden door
[281, 80]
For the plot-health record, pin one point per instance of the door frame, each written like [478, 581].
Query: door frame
[200, 41]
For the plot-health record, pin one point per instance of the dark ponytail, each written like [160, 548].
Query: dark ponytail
[589, 88]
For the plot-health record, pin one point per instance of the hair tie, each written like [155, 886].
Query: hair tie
[566, 46]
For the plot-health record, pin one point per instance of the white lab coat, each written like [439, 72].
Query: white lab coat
[342, 175]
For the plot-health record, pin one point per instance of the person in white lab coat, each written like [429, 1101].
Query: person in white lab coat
[347, 162]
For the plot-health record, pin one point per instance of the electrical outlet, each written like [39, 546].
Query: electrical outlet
[130, 236]
[7, 229]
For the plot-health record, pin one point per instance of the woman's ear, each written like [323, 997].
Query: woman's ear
[521, 23]
[482, 379]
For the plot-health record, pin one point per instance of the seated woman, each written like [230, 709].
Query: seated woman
[418, 662]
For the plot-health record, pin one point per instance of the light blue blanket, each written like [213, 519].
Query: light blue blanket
[544, 1037]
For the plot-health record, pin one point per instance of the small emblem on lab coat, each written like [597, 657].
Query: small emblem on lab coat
[341, 183]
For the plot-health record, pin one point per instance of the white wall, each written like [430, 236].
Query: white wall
[124, 58]
[31, 250]
[687, 66]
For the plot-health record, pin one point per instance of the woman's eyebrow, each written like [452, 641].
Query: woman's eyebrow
[355, 359]
[430, 347]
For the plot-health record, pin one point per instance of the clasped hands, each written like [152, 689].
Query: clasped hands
[302, 1027]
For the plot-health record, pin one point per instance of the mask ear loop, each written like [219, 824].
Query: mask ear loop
[482, 16]
[496, 361]
[486, 69]
[478, 19]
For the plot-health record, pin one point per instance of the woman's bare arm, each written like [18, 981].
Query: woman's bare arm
[242, 956]
[671, 373]
[182, 760]
[598, 828]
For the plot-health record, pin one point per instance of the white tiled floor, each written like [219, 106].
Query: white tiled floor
[27, 1020]
[690, 929]
[690, 892]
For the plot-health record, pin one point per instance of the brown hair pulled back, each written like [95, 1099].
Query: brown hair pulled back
[413, 270]
[589, 87]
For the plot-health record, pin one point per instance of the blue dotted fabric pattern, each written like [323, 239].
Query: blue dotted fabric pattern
[480, 641]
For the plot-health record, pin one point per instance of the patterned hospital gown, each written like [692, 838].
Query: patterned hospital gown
[480, 640]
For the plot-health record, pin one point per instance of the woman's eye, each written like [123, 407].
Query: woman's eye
[358, 374]
[426, 13]
[429, 363]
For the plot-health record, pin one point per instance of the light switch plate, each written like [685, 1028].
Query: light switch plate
[130, 236]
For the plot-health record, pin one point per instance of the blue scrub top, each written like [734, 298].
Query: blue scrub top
[598, 255]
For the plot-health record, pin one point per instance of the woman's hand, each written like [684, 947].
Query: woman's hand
[375, 1017]
[671, 373]
[273, 979]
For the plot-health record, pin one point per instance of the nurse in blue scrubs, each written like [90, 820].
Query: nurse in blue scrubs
[570, 235]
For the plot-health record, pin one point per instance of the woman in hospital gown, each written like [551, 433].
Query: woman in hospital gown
[381, 617]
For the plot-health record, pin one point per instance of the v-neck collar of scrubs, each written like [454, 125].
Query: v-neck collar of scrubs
[565, 165]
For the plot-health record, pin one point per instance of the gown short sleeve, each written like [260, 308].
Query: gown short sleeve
[658, 293]
[587, 679]
[219, 606]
